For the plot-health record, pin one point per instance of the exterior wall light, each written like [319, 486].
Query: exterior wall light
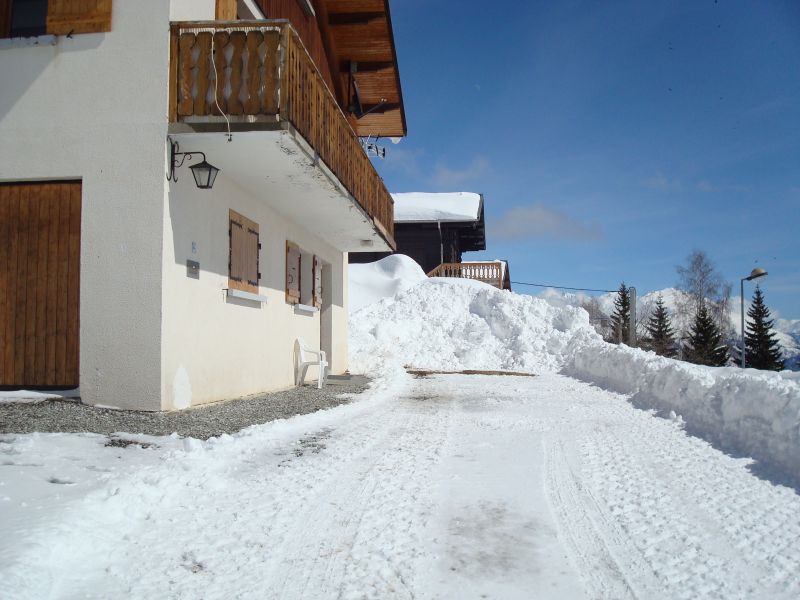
[203, 172]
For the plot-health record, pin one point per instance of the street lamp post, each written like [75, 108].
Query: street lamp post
[754, 274]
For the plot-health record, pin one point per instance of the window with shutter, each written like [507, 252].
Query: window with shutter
[243, 261]
[293, 265]
[317, 285]
[78, 16]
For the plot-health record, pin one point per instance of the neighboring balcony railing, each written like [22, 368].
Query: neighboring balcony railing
[493, 273]
[260, 72]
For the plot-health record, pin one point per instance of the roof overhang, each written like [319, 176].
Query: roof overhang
[364, 45]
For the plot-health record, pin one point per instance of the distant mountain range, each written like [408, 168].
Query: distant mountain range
[787, 330]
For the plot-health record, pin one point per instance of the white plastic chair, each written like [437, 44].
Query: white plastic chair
[304, 357]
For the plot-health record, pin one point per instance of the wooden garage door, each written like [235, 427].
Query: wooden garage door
[40, 228]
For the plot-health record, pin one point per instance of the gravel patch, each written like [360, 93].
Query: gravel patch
[201, 422]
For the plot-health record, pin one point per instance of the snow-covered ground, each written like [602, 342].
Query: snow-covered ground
[451, 486]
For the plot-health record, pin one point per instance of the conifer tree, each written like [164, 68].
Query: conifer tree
[661, 335]
[621, 317]
[762, 347]
[705, 345]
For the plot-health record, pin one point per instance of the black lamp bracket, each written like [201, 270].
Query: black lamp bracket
[175, 162]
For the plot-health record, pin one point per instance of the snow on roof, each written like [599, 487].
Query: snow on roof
[436, 206]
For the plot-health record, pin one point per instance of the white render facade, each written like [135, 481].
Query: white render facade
[153, 333]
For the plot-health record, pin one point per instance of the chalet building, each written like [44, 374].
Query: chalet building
[180, 184]
[435, 229]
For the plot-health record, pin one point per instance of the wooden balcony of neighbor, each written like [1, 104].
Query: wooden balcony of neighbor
[495, 273]
[259, 74]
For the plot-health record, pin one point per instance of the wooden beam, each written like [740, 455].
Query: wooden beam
[380, 108]
[365, 67]
[360, 18]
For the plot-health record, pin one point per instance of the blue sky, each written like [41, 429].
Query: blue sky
[610, 139]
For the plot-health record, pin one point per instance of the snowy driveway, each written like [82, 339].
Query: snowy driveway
[445, 487]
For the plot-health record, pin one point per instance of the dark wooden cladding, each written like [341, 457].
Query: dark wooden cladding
[361, 34]
[266, 73]
[5, 18]
[40, 284]
[308, 28]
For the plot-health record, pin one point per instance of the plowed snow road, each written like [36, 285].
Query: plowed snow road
[452, 487]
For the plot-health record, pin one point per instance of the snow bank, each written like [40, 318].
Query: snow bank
[750, 412]
[372, 282]
[455, 324]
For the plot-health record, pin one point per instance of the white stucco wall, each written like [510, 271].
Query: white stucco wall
[192, 10]
[93, 107]
[217, 347]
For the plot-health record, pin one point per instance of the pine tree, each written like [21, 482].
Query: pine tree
[621, 317]
[762, 347]
[705, 341]
[661, 335]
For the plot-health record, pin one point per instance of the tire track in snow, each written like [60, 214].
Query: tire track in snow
[364, 542]
[601, 573]
[696, 515]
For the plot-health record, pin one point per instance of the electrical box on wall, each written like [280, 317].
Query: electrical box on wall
[193, 269]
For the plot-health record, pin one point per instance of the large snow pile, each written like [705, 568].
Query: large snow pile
[371, 282]
[456, 324]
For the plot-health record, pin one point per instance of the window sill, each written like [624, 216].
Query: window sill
[28, 41]
[305, 309]
[231, 293]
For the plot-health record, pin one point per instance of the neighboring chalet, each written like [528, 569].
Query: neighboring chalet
[435, 229]
[148, 257]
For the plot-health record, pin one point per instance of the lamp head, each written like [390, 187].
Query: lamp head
[204, 174]
[756, 273]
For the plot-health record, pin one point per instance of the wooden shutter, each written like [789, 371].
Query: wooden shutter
[244, 250]
[292, 273]
[316, 289]
[226, 10]
[78, 16]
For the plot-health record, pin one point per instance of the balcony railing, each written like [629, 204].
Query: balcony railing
[260, 72]
[493, 273]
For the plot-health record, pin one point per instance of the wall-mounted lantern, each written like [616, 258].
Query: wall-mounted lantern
[203, 172]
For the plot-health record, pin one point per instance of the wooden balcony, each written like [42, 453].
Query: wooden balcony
[494, 273]
[259, 75]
